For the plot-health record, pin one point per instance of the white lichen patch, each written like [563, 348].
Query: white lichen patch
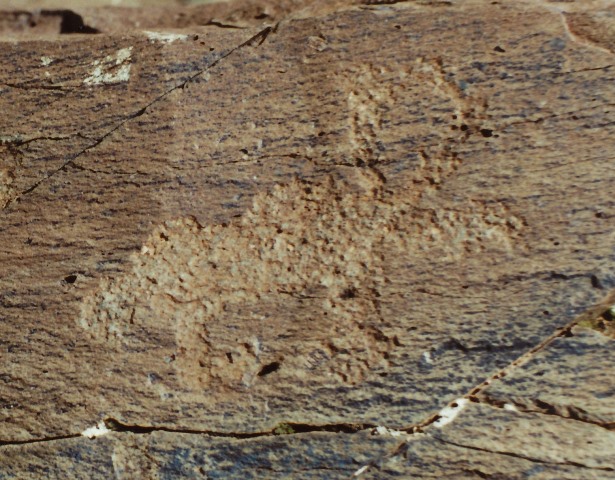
[111, 69]
[166, 37]
[450, 412]
[96, 431]
[46, 61]
[380, 430]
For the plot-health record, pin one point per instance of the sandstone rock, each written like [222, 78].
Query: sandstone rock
[333, 218]
[484, 442]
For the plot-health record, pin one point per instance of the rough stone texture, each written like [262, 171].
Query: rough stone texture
[166, 456]
[488, 443]
[347, 219]
[572, 378]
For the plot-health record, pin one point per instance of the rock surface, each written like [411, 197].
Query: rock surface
[308, 240]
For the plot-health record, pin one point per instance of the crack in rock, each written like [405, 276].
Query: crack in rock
[523, 457]
[590, 314]
[536, 405]
[112, 426]
[255, 40]
[476, 395]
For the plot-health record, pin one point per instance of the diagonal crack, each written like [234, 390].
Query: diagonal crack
[253, 41]
[523, 457]
[590, 313]
[535, 405]
[423, 427]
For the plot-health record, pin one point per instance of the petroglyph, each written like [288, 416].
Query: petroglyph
[293, 285]
[111, 69]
